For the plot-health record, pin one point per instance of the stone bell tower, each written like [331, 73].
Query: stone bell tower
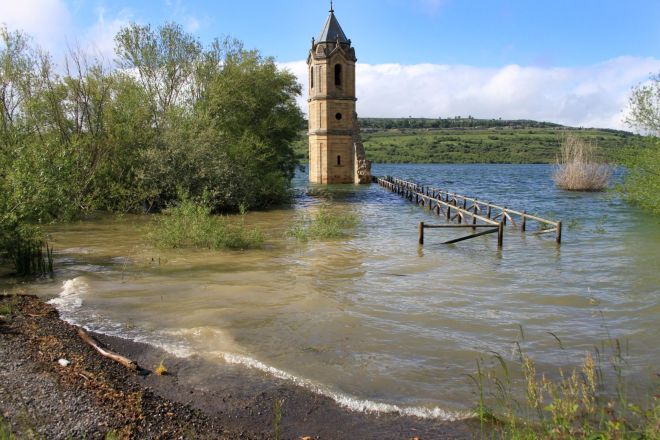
[336, 154]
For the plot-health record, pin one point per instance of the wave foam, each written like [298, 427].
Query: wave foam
[351, 403]
[69, 298]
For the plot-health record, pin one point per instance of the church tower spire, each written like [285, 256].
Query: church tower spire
[333, 129]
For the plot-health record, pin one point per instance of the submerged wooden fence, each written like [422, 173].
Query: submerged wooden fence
[469, 212]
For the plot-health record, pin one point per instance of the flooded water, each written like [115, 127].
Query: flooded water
[375, 321]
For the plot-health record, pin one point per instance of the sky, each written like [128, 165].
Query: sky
[571, 62]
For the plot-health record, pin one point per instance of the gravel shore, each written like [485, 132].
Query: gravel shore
[94, 397]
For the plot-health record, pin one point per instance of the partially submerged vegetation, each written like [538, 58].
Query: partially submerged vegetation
[642, 183]
[326, 223]
[516, 401]
[169, 114]
[579, 167]
[190, 223]
[24, 247]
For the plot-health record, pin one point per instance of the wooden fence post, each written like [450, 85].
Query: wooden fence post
[558, 232]
[421, 232]
[523, 223]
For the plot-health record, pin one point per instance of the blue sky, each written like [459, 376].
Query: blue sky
[567, 61]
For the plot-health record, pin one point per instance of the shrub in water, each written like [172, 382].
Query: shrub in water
[191, 224]
[578, 168]
[324, 224]
[25, 247]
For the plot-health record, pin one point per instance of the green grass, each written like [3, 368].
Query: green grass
[5, 431]
[479, 145]
[190, 224]
[324, 224]
[590, 401]
[7, 307]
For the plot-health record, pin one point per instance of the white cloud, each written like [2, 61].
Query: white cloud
[100, 38]
[589, 96]
[42, 19]
[181, 14]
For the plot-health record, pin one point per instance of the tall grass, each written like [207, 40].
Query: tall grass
[32, 257]
[578, 167]
[326, 223]
[563, 404]
[191, 224]
[26, 249]
[5, 430]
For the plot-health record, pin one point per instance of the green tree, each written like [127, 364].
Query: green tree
[642, 182]
[164, 59]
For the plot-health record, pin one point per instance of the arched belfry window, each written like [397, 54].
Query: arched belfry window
[338, 74]
[338, 160]
[311, 76]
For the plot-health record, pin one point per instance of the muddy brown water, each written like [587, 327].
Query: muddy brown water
[374, 321]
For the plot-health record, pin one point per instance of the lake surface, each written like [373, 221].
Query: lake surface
[374, 320]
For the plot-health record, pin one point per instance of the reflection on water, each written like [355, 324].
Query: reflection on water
[375, 319]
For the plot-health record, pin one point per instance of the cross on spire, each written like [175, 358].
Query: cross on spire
[332, 9]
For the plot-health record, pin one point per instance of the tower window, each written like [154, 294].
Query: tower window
[338, 74]
[338, 116]
[311, 77]
[338, 160]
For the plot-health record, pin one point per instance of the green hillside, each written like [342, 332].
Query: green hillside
[469, 140]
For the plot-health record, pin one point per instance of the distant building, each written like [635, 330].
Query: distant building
[336, 154]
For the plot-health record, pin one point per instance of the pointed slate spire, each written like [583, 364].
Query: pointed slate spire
[332, 31]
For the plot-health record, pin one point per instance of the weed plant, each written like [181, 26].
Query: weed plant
[515, 401]
[278, 419]
[324, 224]
[25, 248]
[191, 224]
[161, 369]
[5, 431]
[8, 306]
[578, 167]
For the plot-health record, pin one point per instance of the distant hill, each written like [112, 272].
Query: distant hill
[460, 122]
[456, 122]
[471, 140]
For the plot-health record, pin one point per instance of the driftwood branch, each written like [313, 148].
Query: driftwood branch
[126, 362]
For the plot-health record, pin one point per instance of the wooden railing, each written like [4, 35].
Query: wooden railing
[468, 211]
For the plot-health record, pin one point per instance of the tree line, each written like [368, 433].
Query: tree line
[169, 117]
[454, 122]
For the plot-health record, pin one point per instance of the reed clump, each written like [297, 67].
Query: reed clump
[326, 223]
[578, 168]
[516, 401]
[26, 249]
[191, 224]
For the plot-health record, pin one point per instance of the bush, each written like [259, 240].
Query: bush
[565, 404]
[324, 224]
[24, 246]
[642, 182]
[173, 113]
[191, 224]
[578, 168]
